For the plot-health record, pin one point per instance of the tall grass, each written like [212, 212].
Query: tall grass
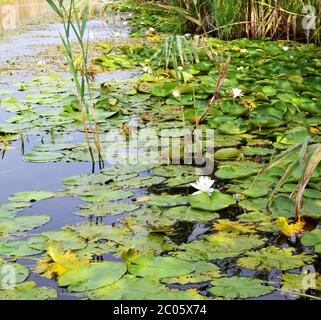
[276, 19]
[69, 15]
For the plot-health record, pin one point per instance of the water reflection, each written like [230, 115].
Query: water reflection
[14, 14]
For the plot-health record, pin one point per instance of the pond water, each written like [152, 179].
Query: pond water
[22, 41]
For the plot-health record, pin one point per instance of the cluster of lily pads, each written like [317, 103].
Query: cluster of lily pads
[147, 231]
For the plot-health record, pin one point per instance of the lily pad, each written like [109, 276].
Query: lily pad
[92, 276]
[217, 201]
[312, 238]
[160, 267]
[239, 288]
[31, 196]
[274, 258]
[28, 291]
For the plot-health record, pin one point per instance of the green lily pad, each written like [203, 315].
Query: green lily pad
[312, 238]
[235, 172]
[160, 267]
[217, 201]
[106, 208]
[43, 156]
[239, 288]
[92, 276]
[167, 200]
[190, 214]
[105, 195]
[28, 291]
[204, 271]
[220, 245]
[31, 196]
[128, 287]
[274, 258]
[70, 240]
[24, 223]
[17, 248]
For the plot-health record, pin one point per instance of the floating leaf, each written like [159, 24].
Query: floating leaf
[92, 276]
[312, 238]
[239, 288]
[106, 208]
[190, 214]
[17, 248]
[128, 288]
[160, 267]
[105, 195]
[217, 201]
[28, 291]
[23, 223]
[220, 245]
[204, 271]
[274, 258]
[233, 226]
[31, 196]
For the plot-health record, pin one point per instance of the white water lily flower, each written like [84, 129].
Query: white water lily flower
[237, 93]
[203, 184]
[240, 68]
[176, 93]
[285, 49]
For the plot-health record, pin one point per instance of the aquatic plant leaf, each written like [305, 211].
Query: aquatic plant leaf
[31, 196]
[23, 223]
[233, 226]
[312, 238]
[174, 294]
[165, 90]
[160, 267]
[190, 214]
[235, 172]
[239, 288]
[28, 291]
[17, 248]
[204, 271]
[220, 245]
[217, 201]
[92, 276]
[68, 239]
[105, 195]
[43, 156]
[138, 182]
[274, 258]
[86, 179]
[128, 287]
[173, 171]
[167, 200]
[106, 208]
[124, 169]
